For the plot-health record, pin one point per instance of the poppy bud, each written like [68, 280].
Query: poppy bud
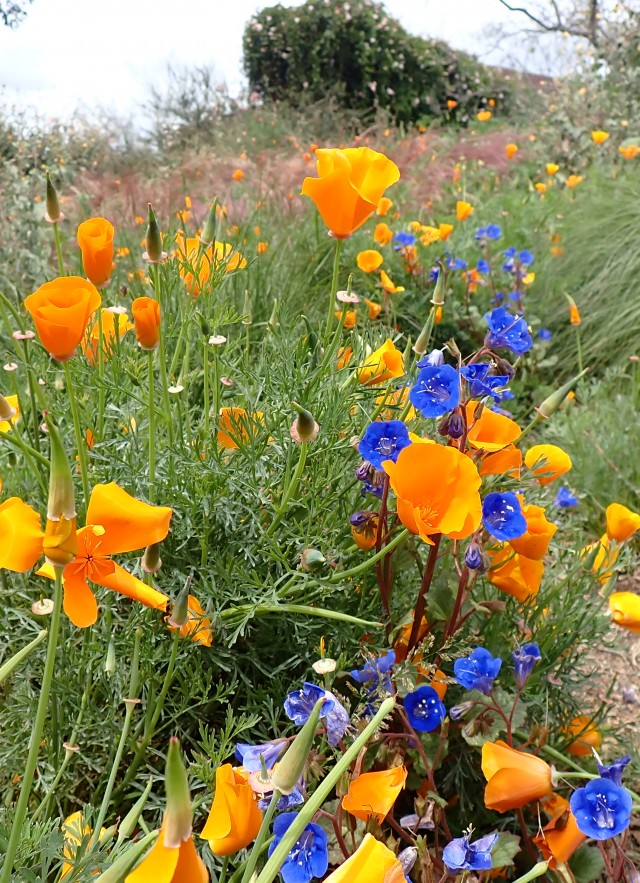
[60, 541]
[6, 411]
[421, 344]
[180, 609]
[304, 428]
[290, 768]
[247, 314]
[204, 325]
[146, 321]
[153, 240]
[439, 291]
[274, 321]
[311, 559]
[209, 231]
[555, 400]
[110, 661]
[53, 214]
[151, 561]
[452, 346]
[178, 816]
[129, 824]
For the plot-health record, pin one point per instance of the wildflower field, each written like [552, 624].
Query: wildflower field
[318, 505]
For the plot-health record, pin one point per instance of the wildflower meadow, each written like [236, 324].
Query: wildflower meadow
[318, 504]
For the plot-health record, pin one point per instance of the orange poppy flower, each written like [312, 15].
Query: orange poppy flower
[383, 364]
[21, 536]
[445, 231]
[394, 403]
[534, 544]
[514, 778]
[237, 427]
[490, 432]
[198, 626]
[116, 523]
[561, 837]
[599, 137]
[238, 175]
[484, 115]
[540, 187]
[61, 310]
[629, 151]
[75, 833]
[146, 318]
[95, 238]
[369, 260]
[573, 181]
[451, 103]
[463, 210]
[371, 795]
[197, 263]
[372, 862]
[507, 461]
[605, 558]
[511, 150]
[383, 234]
[437, 491]
[547, 462]
[108, 318]
[584, 736]
[389, 286]
[622, 523]
[350, 318]
[384, 206]
[349, 186]
[401, 643]
[624, 608]
[551, 168]
[374, 309]
[9, 413]
[514, 574]
[234, 820]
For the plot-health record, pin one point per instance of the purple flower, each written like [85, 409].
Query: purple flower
[481, 383]
[300, 703]
[462, 855]
[405, 239]
[473, 556]
[436, 391]
[601, 808]
[270, 752]
[425, 710]
[477, 671]
[483, 266]
[309, 857]
[435, 359]
[614, 771]
[565, 499]
[545, 334]
[524, 659]
[376, 672]
[507, 330]
[502, 516]
[383, 440]
[287, 801]
[372, 479]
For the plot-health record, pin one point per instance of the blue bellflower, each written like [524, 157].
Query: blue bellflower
[473, 557]
[477, 671]
[494, 231]
[524, 659]
[526, 258]
[481, 383]
[601, 809]
[371, 478]
[300, 703]
[436, 391]
[565, 499]
[435, 359]
[508, 331]
[425, 710]
[287, 801]
[309, 857]
[502, 516]
[614, 771]
[545, 334]
[404, 239]
[483, 267]
[462, 855]
[376, 672]
[456, 264]
[383, 440]
[249, 755]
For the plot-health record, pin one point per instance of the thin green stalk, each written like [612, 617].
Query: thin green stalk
[258, 609]
[56, 234]
[340, 575]
[222, 876]
[82, 453]
[152, 429]
[101, 389]
[36, 733]
[321, 793]
[205, 364]
[16, 439]
[186, 317]
[263, 833]
[579, 349]
[334, 289]
[14, 661]
[117, 760]
[165, 389]
[290, 490]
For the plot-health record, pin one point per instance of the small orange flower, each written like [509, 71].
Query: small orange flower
[437, 491]
[511, 150]
[109, 321]
[623, 606]
[146, 318]
[622, 523]
[61, 310]
[561, 837]
[372, 862]
[573, 181]
[234, 820]
[371, 795]
[599, 137]
[374, 308]
[388, 285]
[629, 151]
[463, 210]
[452, 103]
[394, 402]
[445, 231]
[262, 247]
[384, 206]
[383, 364]
[551, 168]
[369, 260]
[584, 736]
[237, 427]
[534, 543]
[95, 238]
[514, 778]
[197, 263]
[350, 318]
[540, 187]
[383, 234]
[514, 574]
[238, 175]
[484, 115]
[349, 186]
[547, 462]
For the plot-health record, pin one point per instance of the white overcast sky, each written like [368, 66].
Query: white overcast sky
[87, 54]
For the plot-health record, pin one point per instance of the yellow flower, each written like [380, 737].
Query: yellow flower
[238, 427]
[551, 168]
[511, 150]
[540, 187]
[369, 260]
[599, 137]
[75, 833]
[388, 285]
[372, 862]
[445, 231]
[384, 364]
[463, 210]
[484, 115]
[625, 610]
[384, 205]
[9, 412]
[573, 181]
[547, 462]
[622, 523]
[197, 627]
[430, 234]
[629, 151]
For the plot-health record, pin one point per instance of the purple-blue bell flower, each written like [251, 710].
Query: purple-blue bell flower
[507, 330]
[462, 855]
[494, 231]
[473, 557]
[425, 710]
[481, 233]
[383, 440]
[483, 267]
[601, 809]
[404, 239]
[477, 671]
[435, 359]
[433, 274]
[481, 383]
[300, 703]
[372, 479]
[614, 771]
[249, 755]
[526, 258]
[498, 297]
[456, 264]
[287, 801]
[502, 516]
[376, 673]
[309, 857]
[545, 334]
[436, 391]
[524, 659]
[510, 252]
[565, 499]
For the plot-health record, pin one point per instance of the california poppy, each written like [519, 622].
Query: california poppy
[383, 234]
[21, 536]
[372, 862]
[622, 523]
[75, 833]
[95, 238]
[559, 839]
[234, 820]
[349, 186]
[384, 206]
[490, 432]
[534, 543]
[369, 260]
[197, 263]
[109, 321]
[551, 168]
[463, 210]
[237, 427]
[514, 778]
[599, 137]
[584, 736]
[514, 574]
[146, 318]
[388, 285]
[624, 608]
[383, 364]
[371, 795]
[547, 462]
[511, 150]
[197, 627]
[437, 491]
[61, 310]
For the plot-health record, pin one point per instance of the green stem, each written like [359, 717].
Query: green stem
[334, 289]
[259, 609]
[365, 565]
[321, 793]
[35, 741]
[222, 876]
[82, 453]
[579, 349]
[14, 661]
[263, 833]
[15, 439]
[290, 490]
[165, 389]
[101, 389]
[205, 364]
[56, 234]
[152, 430]
[124, 735]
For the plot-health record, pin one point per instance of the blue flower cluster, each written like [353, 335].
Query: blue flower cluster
[492, 231]
[508, 331]
[482, 383]
[404, 240]
[376, 673]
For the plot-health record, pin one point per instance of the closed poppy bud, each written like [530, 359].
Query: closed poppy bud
[60, 541]
[274, 320]
[371, 795]
[372, 862]
[304, 428]
[311, 560]
[95, 238]
[209, 229]
[180, 609]
[514, 778]
[151, 562]
[61, 310]
[146, 320]
[234, 820]
[584, 736]
[53, 214]
[110, 661]
[288, 771]
[555, 400]
[153, 240]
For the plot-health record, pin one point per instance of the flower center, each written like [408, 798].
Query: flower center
[386, 445]
[604, 817]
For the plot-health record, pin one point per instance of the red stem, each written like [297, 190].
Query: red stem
[418, 612]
